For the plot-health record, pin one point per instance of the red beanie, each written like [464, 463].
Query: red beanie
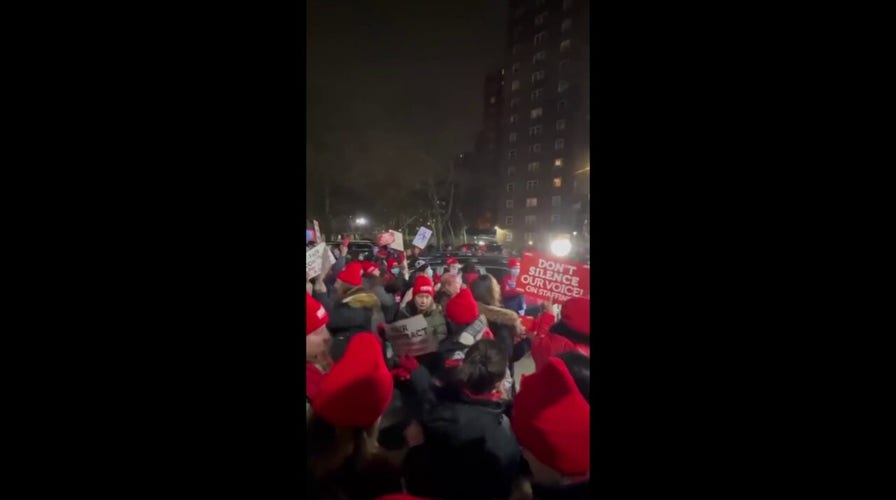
[390, 263]
[462, 308]
[351, 274]
[368, 266]
[513, 263]
[576, 314]
[551, 419]
[422, 284]
[315, 314]
[451, 260]
[357, 390]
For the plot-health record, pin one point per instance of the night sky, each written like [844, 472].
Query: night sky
[385, 74]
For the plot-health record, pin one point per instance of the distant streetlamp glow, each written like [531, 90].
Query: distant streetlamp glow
[360, 221]
[561, 247]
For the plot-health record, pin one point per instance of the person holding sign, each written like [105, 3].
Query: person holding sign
[512, 298]
[423, 303]
[571, 333]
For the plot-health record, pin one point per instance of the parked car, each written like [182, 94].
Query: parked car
[494, 265]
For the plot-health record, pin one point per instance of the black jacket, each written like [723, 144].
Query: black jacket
[505, 325]
[387, 300]
[469, 452]
[358, 312]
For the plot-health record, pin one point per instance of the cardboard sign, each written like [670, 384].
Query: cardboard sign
[422, 237]
[553, 278]
[409, 336]
[383, 239]
[317, 232]
[397, 241]
[313, 259]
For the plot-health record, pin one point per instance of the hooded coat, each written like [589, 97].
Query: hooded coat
[387, 300]
[469, 449]
[559, 338]
[359, 311]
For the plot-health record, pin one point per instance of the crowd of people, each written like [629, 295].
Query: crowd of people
[451, 422]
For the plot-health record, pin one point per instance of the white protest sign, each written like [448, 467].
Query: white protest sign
[409, 336]
[422, 238]
[398, 244]
[313, 262]
[331, 259]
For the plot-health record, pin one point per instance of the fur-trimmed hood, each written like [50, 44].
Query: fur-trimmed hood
[500, 316]
[358, 297]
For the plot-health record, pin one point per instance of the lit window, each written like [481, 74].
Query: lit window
[538, 75]
[567, 23]
[508, 236]
[539, 56]
[508, 221]
[515, 85]
[509, 203]
[533, 167]
[561, 124]
[539, 19]
[561, 105]
[513, 137]
[510, 187]
[562, 86]
[565, 45]
[558, 144]
[511, 170]
[555, 201]
[539, 38]
[511, 154]
[531, 185]
[513, 118]
[535, 148]
[531, 202]
[558, 162]
[558, 182]
[530, 221]
[515, 68]
[535, 113]
[536, 94]
[536, 130]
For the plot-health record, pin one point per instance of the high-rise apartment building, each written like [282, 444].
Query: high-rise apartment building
[544, 155]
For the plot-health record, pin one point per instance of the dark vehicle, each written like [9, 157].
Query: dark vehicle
[494, 265]
[358, 250]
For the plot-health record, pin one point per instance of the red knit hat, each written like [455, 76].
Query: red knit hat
[390, 263]
[315, 314]
[351, 274]
[513, 263]
[462, 308]
[551, 419]
[358, 388]
[368, 266]
[576, 314]
[422, 284]
[451, 260]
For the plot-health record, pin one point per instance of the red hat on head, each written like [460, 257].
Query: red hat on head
[551, 419]
[451, 260]
[576, 314]
[513, 263]
[351, 274]
[315, 314]
[422, 284]
[368, 266]
[390, 263]
[462, 308]
[358, 388]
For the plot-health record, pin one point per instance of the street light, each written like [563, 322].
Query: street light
[561, 247]
[360, 221]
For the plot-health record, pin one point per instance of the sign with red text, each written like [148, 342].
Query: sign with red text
[553, 278]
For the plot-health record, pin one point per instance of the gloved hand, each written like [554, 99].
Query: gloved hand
[406, 365]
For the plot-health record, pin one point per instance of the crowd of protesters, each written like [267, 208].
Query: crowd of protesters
[450, 423]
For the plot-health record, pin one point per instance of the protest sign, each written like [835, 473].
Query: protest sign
[317, 233]
[313, 262]
[422, 237]
[384, 239]
[553, 278]
[397, 241]
[409, 336]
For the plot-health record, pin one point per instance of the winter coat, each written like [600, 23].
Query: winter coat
[313, 378]
[469, 450]
[359, 311]
[511, 298]
[507, 328]
[387, 300]
[557, 339]
[435, 320]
